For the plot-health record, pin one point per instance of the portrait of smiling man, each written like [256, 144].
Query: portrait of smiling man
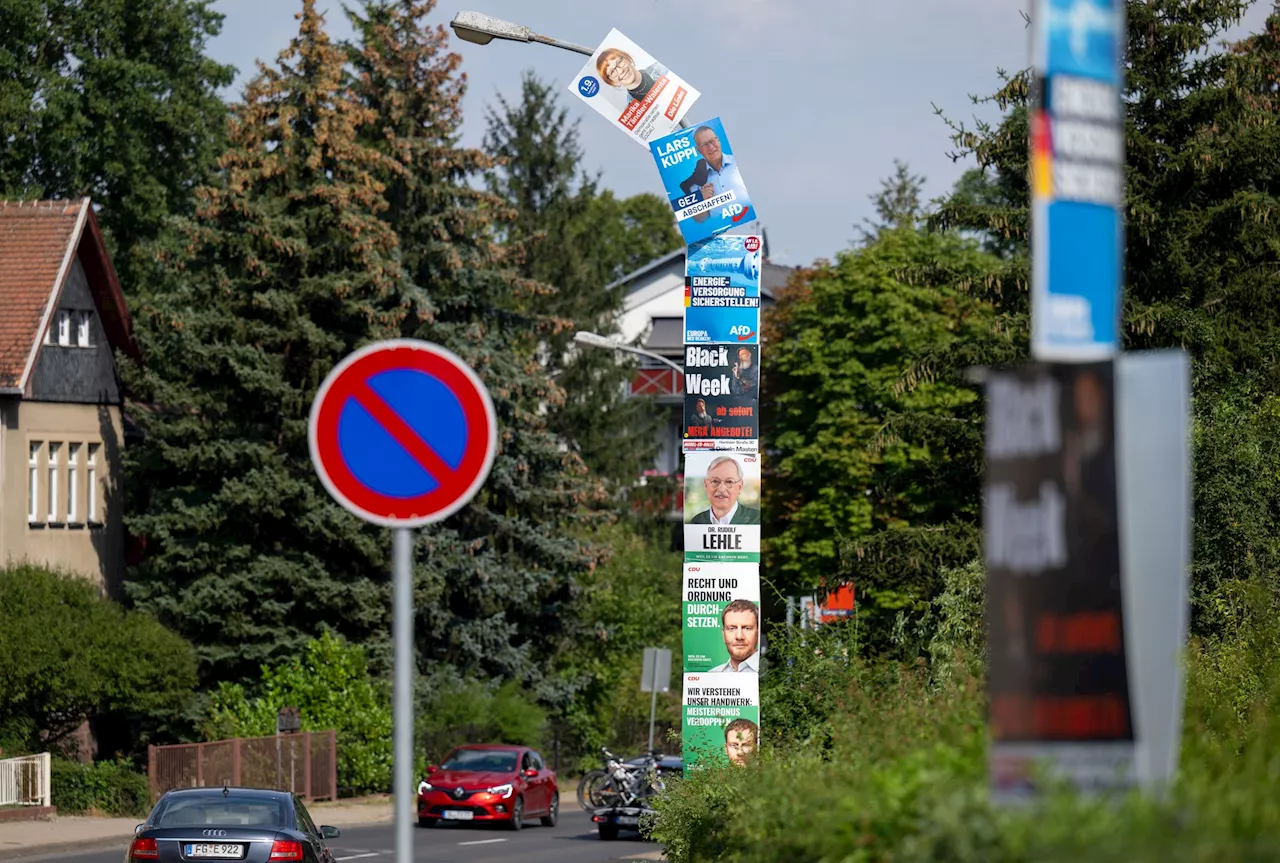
[723, 484]
[740, 739]
[740, 627]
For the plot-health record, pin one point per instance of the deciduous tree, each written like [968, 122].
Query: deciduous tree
[114, 100]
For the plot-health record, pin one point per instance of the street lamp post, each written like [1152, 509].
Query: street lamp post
[599, 341]
[481, 29]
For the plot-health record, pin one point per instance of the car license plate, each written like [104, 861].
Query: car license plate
[458, 814]
[628, 819]
[218, 850]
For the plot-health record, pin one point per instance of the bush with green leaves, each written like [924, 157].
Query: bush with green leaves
[628, 602]
[453, 711]
[899, 773]
[103, 788]
[331, 686]
[68, 654]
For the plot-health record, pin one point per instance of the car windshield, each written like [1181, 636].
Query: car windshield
[488, 760]
[222, 811]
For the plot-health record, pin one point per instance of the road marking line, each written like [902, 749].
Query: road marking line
[357, 856]
[482, 842]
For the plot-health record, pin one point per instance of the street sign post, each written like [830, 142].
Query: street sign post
[655, 678]
[402, 434]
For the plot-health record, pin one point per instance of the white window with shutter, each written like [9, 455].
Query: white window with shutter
[91, 474]
[53, 480]
[73, 474]
[64, 328]
[84, 329]
[33, 483]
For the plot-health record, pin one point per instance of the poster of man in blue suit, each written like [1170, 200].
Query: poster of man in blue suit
[703, 183]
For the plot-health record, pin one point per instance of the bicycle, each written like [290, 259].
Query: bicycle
[620, 783]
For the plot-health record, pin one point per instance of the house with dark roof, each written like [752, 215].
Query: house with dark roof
[653, 319]
[62, 317]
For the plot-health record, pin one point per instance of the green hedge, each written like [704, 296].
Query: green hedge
[102, 788]
[890, 764]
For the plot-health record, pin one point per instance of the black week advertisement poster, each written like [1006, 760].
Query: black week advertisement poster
[1057, 664]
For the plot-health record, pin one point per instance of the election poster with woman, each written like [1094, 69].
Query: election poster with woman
[632, 90]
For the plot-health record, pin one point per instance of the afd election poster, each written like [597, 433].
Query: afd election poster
[721, 612]
[721, 397]
[632, 90]
[722, 507]
[721, 718]
[722, 290]
[700, 173]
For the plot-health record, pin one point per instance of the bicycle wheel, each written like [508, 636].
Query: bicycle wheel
[587, 788]
[606, 793]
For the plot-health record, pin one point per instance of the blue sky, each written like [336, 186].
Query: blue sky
[818, 96]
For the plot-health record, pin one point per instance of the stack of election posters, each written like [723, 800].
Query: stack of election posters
[721, 423]
[721, 588]
[632, 90]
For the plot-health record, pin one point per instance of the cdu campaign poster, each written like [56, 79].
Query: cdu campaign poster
[721, 397]
[721, 605]
[722, 507]
[700, 173]
[1058, 676]
[632, 90]
[722, 290]
[721, 718]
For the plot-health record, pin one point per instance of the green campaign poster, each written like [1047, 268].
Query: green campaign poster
[721, 718]
[721, 614]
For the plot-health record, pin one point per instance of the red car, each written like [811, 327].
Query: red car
[489, 783]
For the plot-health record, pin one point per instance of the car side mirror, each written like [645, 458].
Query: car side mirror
[432, 768]
[329, 832]
[138, 829]
[531, 772]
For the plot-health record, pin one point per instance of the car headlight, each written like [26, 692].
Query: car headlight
[424, 785]
[502, 791]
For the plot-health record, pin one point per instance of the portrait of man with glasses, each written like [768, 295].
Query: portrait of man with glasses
[723, 484]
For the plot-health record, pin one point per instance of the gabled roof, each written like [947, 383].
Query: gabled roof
[773, 277]
[38, 242]
[655, 264]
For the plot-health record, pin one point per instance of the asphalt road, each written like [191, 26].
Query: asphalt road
[573, 840]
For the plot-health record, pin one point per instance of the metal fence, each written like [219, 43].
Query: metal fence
[305, 763]
[26, 781]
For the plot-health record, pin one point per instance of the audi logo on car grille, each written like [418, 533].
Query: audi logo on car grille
[214, 832]
[458, 792]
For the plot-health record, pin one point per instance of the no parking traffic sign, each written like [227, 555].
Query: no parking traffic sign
[402, 433]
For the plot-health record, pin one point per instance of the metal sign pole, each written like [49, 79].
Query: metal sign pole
[458, 393]
[653, 703]
[402, 633]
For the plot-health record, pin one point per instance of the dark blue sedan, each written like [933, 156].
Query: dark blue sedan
[200, 825]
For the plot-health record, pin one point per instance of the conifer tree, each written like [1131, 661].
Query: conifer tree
[572, 237]
[285, 268]
[496, 582]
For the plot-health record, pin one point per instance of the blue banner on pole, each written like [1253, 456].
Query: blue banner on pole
[1077, 168]
[722, 290]
[700, 173]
